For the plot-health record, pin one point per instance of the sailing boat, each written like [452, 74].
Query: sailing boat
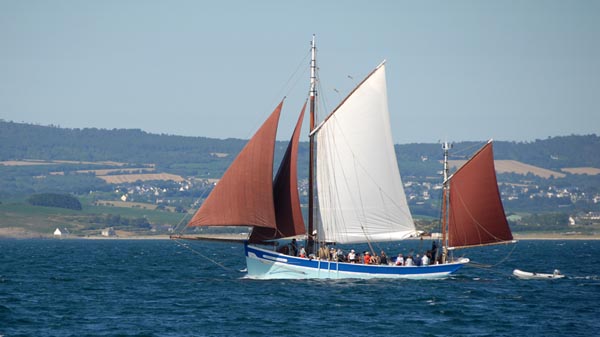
[359, 193]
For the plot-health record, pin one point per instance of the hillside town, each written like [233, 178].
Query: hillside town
[580, 204]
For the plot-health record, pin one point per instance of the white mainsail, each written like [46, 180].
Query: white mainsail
[360, 192]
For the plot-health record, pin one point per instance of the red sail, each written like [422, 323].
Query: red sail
[287, 202]
[476, 212]
[244, 195]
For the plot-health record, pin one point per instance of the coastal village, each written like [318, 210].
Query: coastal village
[531, 192]
[417, 192]
[177, 197]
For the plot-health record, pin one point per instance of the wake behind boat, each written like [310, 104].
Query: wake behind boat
[356, 194]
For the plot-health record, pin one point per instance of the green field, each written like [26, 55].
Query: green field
[20, 219]
[89, 221]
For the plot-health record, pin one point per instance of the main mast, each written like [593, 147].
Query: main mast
[311, 167]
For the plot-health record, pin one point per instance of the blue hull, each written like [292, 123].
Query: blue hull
[266, 264]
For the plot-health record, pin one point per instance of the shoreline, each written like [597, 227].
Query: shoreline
[20, 233]
[554, 236]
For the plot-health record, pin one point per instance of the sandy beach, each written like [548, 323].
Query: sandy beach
[555, 236]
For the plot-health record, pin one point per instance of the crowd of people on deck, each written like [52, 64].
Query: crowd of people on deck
[366, 257]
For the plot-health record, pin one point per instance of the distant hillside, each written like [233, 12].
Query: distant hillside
[513, 166]
[108, 169]
[207, 157]
[20, 141]
[552, 153]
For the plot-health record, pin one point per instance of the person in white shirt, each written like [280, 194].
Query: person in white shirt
[400, 260]
[425, 260]
[352, 256]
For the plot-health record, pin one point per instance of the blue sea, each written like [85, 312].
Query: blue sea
[161, 288]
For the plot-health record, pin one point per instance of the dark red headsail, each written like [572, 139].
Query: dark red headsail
[244, 195]
[285, 190]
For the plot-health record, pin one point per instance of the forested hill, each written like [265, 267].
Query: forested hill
[551, 153]
[21, 141]
[26, 141]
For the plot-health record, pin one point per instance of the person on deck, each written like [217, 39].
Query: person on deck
[375, 258]
[400, 260]
[367, 258]
[409, 261]
[293, 248]
[434, 249]
[383, 258]
[425, 259]
[340, 255]
[417, 260]
[323, 253]
[352, 256]
[302, 252]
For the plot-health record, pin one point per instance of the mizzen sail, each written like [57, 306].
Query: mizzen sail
[287, 202]
[476, 214]
[244, 195]
[360, 193]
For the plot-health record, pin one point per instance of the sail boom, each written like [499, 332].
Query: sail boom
[507, 242]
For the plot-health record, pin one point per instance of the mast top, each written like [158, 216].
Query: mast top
[313, 68]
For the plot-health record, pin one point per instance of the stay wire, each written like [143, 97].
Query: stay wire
[180, 244]
[474, 264]
[468, 149]
[177, 228]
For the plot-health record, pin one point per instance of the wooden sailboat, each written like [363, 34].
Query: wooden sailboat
[359, 193]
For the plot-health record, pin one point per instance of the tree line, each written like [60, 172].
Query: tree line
[55, 200]
[202, 155]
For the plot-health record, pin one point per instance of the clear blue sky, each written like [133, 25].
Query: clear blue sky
[457, 70]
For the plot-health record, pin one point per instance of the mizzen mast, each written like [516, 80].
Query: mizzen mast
[445, 190]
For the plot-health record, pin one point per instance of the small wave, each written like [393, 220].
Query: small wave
[589, 277]
[62, 279]
[4, 309]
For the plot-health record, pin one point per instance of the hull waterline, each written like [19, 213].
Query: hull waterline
[266, 264]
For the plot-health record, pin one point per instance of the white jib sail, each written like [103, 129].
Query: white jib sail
[360, 192]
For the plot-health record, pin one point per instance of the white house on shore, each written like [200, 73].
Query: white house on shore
[109, 232]
[61, 233]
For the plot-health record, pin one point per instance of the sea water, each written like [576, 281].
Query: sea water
[162, 288]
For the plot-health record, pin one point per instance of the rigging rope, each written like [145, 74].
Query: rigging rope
[293, 79]
[180, 231]
[458, 153]
[475, 221]
[474, 264]
[180, 244]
